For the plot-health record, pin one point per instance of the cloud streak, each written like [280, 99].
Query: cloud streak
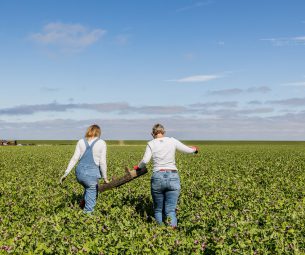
[254, 102]
[285, 41]
[213, 109]
[262, 89]
[280, 127]
[236, 91]
[288, 102]
[295, 84]
[55, 107]
[229, 104]
[194, 6]
[225, 92]
[67, 36]
[121, 108]
[217, 120]
[196, 78]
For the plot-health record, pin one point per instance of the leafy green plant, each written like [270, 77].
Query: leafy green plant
[235, 198]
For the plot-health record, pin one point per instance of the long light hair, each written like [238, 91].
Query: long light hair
[93, 131]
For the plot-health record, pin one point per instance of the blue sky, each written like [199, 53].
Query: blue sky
[206, 69]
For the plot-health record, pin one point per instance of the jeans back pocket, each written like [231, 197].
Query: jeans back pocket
[156, 183]
[174, 183]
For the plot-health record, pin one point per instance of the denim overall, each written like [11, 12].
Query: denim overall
[87, 174]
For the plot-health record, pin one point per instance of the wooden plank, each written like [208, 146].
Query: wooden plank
[129, 176]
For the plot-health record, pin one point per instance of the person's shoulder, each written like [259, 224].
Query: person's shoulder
[173, 139]
[101, 141]
[81, 144]
[151, 142]
[80, 141]
[165, 139]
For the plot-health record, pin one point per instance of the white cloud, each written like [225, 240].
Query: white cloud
[73, 36]
[281, 127]
[118, 107]
[194, 6]
[219, 108]
[296, 84]
[299, 38]
[276, 41]
[235, 91]
[285, 41]
[197, 78]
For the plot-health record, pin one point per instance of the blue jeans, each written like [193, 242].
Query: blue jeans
[165, 190]
[90, 185]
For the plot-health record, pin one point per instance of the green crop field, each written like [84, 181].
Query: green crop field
[236, 198]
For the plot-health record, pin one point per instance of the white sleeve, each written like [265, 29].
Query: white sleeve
[182, 147]
[74, 159]
[146, 157]
[103, 161]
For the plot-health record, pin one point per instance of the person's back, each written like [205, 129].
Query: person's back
[99, 150]
[165, 181]
[90, 152]
[163, 153]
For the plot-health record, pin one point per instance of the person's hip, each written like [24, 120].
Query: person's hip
[165, 180]
[88, 170]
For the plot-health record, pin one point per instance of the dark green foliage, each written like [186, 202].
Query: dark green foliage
[236, 198]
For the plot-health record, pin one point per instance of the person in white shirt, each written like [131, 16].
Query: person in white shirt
[165, 181]
[91, 154]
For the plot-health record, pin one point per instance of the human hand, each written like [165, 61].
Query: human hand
[62, 179]
[195, 148]
[136, 168]
[106, 180]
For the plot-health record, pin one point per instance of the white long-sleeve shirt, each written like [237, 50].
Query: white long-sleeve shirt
[99, 155]
[163, 151]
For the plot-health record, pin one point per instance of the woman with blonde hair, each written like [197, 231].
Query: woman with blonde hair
[165, 181]
[91, 154]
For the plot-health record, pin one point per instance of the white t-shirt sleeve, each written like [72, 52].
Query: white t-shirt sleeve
[103, 160]
[182, 147]
[146, 158]
[74, 159]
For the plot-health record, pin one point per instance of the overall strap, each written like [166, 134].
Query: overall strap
[94, 142]
[86, 142]
[86, 162]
